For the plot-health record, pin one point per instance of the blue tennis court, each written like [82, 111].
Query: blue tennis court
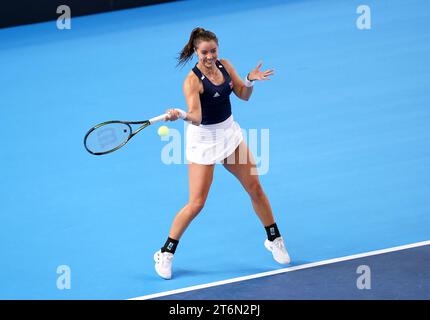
[341, 135]
[399, 273]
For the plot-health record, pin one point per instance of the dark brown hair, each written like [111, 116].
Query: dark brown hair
[197, 35]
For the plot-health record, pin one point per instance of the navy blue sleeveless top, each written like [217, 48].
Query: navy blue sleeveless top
[215, 100]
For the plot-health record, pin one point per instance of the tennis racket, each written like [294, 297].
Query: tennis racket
[109, 136]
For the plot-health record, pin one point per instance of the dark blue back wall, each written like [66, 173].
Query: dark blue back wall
[13, 13]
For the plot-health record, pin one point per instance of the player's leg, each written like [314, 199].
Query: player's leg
[199, 180]
[242, 165]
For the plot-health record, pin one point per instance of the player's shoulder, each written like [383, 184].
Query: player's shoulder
[191, 77]
[191, 80]
[227, 64]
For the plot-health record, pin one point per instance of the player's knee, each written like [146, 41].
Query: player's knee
[196, 206]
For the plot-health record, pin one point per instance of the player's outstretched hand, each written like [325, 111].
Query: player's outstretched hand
[257, 74]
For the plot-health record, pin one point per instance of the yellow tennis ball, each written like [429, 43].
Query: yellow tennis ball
[163, 131]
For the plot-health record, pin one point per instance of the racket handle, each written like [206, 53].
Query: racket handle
[158, 118]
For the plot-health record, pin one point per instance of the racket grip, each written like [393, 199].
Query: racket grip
[158, 118]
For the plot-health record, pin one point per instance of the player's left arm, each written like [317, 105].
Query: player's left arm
[240, 89]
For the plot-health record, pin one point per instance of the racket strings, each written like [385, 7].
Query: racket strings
[108, 137]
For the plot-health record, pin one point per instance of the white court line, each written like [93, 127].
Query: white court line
[269, 273]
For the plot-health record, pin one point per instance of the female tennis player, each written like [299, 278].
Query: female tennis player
[213, 136]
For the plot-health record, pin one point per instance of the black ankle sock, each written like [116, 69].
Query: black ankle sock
[272, 232]
[170, 245]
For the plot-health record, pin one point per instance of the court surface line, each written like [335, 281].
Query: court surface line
[283, 270]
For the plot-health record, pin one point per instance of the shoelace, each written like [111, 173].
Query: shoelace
[279, 243]
[166, 259]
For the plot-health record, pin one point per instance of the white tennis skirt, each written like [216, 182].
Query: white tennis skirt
[212, 143]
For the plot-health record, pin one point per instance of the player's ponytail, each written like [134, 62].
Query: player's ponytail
[197, 35]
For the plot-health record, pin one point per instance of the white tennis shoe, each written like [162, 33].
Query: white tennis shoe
[163, 264]
[277, 247]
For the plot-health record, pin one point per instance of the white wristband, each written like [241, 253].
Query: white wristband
[248, 83]
[182, 113]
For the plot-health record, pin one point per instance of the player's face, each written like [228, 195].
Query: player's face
[207, 51]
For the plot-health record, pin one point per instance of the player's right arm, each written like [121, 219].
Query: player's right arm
[192, 87]
[191, 91]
